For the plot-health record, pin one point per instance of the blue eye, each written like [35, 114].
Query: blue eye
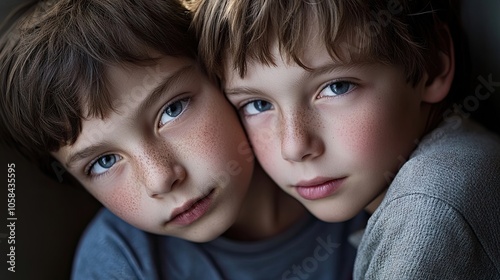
[256, 107]
[337, 88]
[103, 164]
[173, 110]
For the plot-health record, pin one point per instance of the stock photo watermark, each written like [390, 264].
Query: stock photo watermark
[322, 252]
[10, 236]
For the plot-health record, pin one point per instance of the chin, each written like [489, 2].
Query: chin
[332, 215]
[199, 236]
[202, 238]
[208, 231]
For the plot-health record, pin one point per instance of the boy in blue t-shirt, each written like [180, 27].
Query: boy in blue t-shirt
[113, 92]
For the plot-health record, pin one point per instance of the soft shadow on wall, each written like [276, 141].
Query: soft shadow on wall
[482, 25]
[49, 219]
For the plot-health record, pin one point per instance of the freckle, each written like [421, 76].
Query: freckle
[309, 122]
[359, 131]
[158, 154]
[126, 198]
[208, 135]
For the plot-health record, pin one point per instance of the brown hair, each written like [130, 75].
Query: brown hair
[396, 32]
[53, 57]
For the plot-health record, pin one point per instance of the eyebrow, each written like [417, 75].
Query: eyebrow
[164, 86]
[73, 158]
[329, 67]
[242, 91]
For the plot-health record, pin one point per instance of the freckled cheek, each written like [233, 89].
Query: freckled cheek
[209, 138]
[215, 140]
[123, 200]
[267, 148]
[265, 154]
[261, 134]
[367, 139]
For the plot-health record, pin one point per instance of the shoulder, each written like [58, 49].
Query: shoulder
[455, 166]
[109, 248]
[422, 237]
[458, 164]
[442, 204]
[464, 144]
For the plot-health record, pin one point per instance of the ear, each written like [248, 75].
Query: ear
[437, 89]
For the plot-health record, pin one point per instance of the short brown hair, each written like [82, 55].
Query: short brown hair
[403, 32]
[53, 57]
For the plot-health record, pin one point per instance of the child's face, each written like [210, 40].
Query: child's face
[171, 159]
[330, 137]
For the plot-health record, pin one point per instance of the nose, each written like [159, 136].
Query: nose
[298, 141]
[162, 177]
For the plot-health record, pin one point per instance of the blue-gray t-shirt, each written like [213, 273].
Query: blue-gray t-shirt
[311, 249]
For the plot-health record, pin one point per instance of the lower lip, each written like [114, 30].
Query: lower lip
[319, 191]
[194, 213]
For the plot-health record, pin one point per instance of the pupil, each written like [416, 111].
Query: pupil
[107, 161]
[174, 110]
[340, 87]
[261, 105]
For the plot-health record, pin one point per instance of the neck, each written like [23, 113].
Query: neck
[432, 115]
[266, 210]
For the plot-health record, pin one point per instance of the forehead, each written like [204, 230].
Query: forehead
[315, 57]
[129, 84]
[311, 52]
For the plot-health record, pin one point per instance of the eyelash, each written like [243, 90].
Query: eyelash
[90, 166]
[248, 102]
[352, 86]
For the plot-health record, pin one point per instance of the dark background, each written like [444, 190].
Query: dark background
[51, 215]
